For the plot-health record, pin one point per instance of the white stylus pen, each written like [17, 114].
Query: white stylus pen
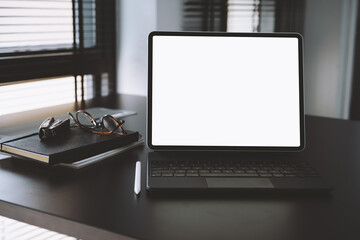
[137, 184]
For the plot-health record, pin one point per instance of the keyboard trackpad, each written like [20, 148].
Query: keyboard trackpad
[239, 183]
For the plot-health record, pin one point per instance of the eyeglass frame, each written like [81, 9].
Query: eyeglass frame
[98, 124]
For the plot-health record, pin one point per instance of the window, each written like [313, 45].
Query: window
[23, 96]
[243, 15]
[28, 26]
[229, 15]
[70, 43]
[204, 15]
[251, 16]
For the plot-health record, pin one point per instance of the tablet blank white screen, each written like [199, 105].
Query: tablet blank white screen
[225, 91]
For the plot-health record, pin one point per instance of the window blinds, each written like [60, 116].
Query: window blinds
[35, 25]
[204, 15]
[229, 15]
[251, 16]
[49, 38]
[66, 48]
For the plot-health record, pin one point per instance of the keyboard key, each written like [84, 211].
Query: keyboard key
[185, 168]
[156, 168]
[278, 168]
[289, 168]
[179, 174]
[278, 175]
[192, 174]
[265, 175]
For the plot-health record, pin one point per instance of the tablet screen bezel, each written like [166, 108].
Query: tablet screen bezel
[207, 148]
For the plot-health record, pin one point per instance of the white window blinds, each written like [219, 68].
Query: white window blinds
[251, 16]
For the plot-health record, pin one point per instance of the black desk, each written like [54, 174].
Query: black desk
[98, 202]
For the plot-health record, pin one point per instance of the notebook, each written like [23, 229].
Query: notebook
[226, 111]
[75, 144]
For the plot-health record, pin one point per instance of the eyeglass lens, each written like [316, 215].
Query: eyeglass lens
[85, 120]
[109, 123]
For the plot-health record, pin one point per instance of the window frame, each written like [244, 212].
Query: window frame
[75, 61]
[354, 108]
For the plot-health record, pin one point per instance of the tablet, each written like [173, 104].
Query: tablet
[225, 91]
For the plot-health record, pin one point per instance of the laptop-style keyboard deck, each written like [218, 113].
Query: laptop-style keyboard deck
[212, 168]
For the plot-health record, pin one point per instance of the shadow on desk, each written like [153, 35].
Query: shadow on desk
[243, 215]
[240, 195]
[109, 170]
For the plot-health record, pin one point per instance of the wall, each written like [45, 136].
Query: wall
[329, 40]
[135, 20]
[328, 47]
[169, 15]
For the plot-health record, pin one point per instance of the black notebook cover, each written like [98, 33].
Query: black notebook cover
[74, 145]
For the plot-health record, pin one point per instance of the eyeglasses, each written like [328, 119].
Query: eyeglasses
[106, 125]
